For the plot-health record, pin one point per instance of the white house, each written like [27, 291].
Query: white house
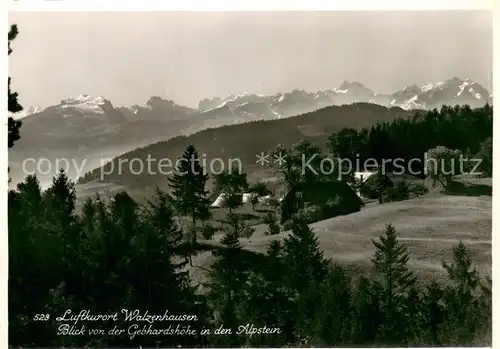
[362, 177]
[219, 202]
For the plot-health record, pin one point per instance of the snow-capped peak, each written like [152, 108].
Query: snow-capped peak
[85, 103]
[25, 112]
[412, 103]
[430, 86]
[83, 98]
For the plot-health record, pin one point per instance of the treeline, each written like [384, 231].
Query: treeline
[124, 255]
[357, 132]
[245, 141]
[458, 127]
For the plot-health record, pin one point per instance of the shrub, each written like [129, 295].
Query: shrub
[254, 200]
[272, 224]
[486, 155]
[400, 191]
[260, 189]
[311, 214]
[248, 232]
[417, 189]
[274, 228]
[441, 164]
[269, 218]
[233, 201]
[208, 231]
[368, 188]
[287, 225]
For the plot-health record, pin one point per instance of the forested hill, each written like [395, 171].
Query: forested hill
[245, 141]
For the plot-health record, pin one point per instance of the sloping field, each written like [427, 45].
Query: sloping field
[429, 226]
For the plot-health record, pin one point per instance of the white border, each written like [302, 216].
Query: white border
[232, 5]
[251, 5]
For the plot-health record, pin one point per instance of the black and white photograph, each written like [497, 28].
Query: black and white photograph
[250, 178]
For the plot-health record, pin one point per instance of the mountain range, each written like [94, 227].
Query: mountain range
[85, 125]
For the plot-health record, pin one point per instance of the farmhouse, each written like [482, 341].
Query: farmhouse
[319, 193]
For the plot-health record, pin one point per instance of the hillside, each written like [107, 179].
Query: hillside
[429, 225]
[244, 141]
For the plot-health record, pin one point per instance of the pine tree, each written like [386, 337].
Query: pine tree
[305, 270]
[65, 229]
[232, 183]
[60, 201]
[464, 276]
[88, 216]
[303, 258]
[390, 260]
[156, 276]
[433, 303]
[34, 264]
[125, 215]
[188, 192]
[160, 214]
[368, 316]
[460, 296]
[334, 316]
[60, 198]
[415, 314]
[228, 274]
[13, 105]
[266, 302]
[106, 253]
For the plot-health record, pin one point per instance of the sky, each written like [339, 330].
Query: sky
[127, 57]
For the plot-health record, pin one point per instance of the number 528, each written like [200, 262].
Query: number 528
[41, 317]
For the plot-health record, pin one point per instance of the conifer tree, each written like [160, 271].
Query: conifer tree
[157, 279]
[13, 104]
[60, 201]
[232, 183]
[334, 314]
[367, 315]
[188, 192]
[464, 276]
[415, 315]
[305, 263]
[88, 217]
[269, 302]
[160, 214]
[228, 274]
[435, 311]
[34, 263]
[305, 271]
[461, 295]
[395, 280]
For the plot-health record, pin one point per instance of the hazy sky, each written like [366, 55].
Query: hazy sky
[186, 56]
